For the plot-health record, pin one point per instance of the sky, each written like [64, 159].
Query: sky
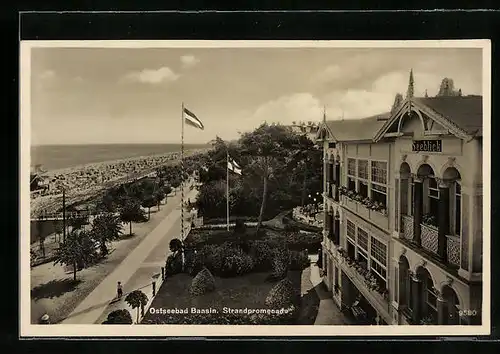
[134, 95]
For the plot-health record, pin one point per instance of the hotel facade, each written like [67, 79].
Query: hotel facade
[403, 211]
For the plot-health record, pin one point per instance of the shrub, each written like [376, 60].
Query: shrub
[174, 264]
[119, 317]
[236, 264]
[202, 283]
[262, 254]
[299, 260]
[194, 261]
[283, 295]
[280, 263]
[226, 260]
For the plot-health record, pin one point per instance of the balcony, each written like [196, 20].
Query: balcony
[367, 210]
[366, 283]
[429, 240]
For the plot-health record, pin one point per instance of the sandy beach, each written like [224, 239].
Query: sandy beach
[86, 181]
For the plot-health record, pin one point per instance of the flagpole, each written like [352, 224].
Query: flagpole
[182, 173]
[227, 187]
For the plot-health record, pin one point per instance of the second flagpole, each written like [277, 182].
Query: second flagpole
[182, 173]
[227, 187]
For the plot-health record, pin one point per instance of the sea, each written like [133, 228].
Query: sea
[55, 157]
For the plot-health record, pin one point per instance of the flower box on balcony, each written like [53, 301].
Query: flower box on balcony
[429, 237]
[407, 227]
[363, 211]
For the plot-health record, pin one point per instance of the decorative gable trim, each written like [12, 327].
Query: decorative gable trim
[324, 129]
[412, 105]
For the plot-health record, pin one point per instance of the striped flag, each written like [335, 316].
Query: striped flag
[191, 119]
[233, 167]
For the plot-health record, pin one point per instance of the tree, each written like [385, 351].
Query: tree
[106, 228]
[78, 251]
[266, 148]
[41, 235]
[159, 195]
[137, 299]
[119, 317]
[131, 212]
[149, 202]
[167, 189]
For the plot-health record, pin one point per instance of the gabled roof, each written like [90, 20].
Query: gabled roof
[356, 129]
[464, 111]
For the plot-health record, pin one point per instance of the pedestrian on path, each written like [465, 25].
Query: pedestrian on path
[119, 290]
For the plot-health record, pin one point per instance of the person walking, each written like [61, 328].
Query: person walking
[119, 290]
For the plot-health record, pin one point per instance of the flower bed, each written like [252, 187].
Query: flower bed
[306, 215]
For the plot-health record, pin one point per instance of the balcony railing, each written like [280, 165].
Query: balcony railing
[453, 250]
[364, 281]
[429, 237]
[407, 227]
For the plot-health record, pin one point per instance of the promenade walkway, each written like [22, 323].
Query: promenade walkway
[133, 272]
[328, 313]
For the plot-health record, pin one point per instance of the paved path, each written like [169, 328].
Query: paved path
[134, 272]
[328, 312]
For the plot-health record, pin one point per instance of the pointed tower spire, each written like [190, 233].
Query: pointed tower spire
[411, 88]
[426, 95]
[324, 113]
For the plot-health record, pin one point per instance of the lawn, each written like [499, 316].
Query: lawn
[247, 291]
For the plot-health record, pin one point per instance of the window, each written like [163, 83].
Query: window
[379, 172]
[363, 239]
[433, 196]
[363, 189]
[351, 249]
[458, 207]
[411, 197]
[430, 299]
[379, 194]
[351, 184]
[379, 271]
[351, 230]
[351, 167]
[379, 251]
[379, 182]
[363, 257]
[363, 169]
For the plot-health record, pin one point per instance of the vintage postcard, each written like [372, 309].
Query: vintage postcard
[247, 188]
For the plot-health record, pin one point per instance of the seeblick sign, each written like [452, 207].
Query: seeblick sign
[427, 146]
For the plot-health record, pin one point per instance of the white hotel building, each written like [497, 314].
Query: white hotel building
[403, 211]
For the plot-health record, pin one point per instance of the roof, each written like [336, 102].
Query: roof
[357, 129]
[464, 111]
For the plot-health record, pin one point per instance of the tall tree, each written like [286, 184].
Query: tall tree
[137, 299]
[266, 148]
[78, 251]
[106, 228]
[131, 212]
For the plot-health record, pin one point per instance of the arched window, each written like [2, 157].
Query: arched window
[451, 313]
[428, 296]
[404, 282]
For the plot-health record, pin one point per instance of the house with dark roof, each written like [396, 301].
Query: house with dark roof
[403, 201]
